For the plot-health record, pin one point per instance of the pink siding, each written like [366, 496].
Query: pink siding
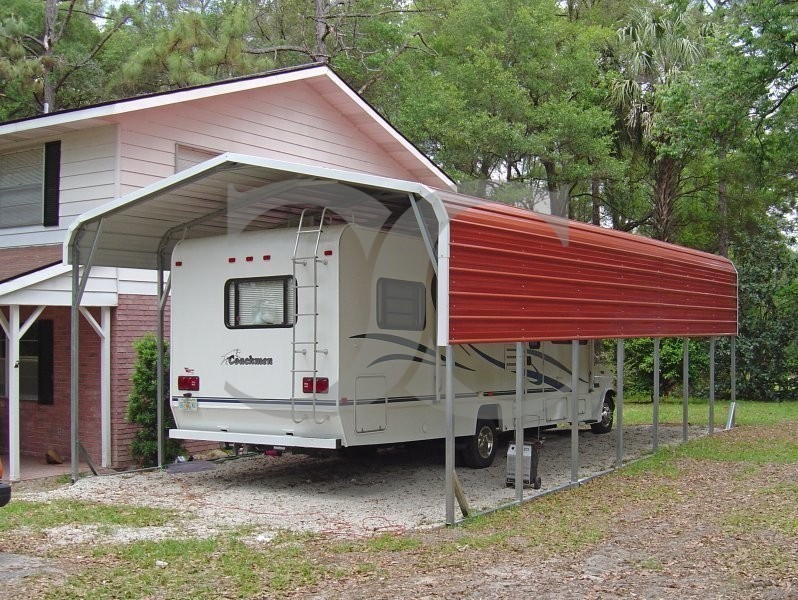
[291, 122]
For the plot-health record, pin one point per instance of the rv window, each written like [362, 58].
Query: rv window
[401, 304]
[263, 302]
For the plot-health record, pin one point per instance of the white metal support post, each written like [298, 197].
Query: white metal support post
[686, 386]
[449, 435]
[619, 407]
[520, 368]
[74, 325]
[574, 412]
[733, 405]
[159, 359]
[655, 398]
[711, 385]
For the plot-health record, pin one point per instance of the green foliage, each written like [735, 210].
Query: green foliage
[142, 408]
[639, 366]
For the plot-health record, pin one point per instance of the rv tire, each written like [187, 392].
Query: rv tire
[480, 449]
[607, 414]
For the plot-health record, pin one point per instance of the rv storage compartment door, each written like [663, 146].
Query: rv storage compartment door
[371, 403]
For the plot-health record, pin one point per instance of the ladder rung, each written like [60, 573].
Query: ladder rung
[306, 286]
[301, 258]
[305, 314]
[304, 371]
[295, 343]
[303, 231]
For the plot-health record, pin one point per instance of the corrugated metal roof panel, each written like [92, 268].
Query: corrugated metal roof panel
[517, 275]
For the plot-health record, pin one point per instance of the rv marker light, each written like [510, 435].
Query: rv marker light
[188, 382]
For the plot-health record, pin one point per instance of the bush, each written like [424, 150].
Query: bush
[142, 408]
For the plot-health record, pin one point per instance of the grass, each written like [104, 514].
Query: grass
[38, 516]
[231, 565]
[747, 413]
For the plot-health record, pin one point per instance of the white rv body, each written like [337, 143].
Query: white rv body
[370, 294]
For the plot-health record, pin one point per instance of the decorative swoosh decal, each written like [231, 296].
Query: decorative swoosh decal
[395, 339]
[389, 357]
[532, 374]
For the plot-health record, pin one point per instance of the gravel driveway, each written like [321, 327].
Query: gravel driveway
[394, 490]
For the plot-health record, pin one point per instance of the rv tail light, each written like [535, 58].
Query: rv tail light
[188, 383]
[322, 385]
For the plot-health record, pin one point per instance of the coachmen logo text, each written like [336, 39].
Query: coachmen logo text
[234, 358]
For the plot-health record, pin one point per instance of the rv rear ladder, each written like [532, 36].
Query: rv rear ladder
[314, 313]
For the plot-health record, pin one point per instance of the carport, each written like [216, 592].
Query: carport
[507, 275]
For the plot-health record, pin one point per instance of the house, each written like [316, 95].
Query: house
[57, 166]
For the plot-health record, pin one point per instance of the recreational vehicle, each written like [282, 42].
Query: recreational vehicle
[321, 335]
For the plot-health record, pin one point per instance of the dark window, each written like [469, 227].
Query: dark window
[260, 302]
[35, 363]
[401, 305]
[52, 183]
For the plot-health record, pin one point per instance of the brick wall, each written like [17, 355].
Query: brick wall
[47, 427]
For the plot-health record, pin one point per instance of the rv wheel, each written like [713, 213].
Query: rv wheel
[480, 450]
[607, 413]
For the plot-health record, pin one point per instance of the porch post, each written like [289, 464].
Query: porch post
[619, 407]
[574, 413]
[686, 386]
[655, 417]
[13, 392]
[449, 428]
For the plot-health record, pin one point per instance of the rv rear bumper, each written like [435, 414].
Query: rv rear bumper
[292, 441]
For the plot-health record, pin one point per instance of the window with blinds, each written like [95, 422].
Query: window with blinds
[401, 305]
[30, 185]
[259, 303]
[21, 181]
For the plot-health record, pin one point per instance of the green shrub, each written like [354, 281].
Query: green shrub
[142, 408]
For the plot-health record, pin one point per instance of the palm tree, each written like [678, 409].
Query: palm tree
[653, 49]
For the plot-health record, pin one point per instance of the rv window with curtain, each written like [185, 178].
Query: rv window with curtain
[401, 304]
[259, 303]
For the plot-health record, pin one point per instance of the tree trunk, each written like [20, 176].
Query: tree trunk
[320, 46]
[666, 186]
[723, 205]
[595, 193]
[558, 195]
[49, 40]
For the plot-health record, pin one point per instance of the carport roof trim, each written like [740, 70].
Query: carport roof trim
[227, 161]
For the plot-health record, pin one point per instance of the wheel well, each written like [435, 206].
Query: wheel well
[610, 396]
[490, 412]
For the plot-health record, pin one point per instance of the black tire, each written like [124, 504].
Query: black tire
[607, 416]
[480, 449]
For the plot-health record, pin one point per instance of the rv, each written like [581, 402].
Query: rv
[322, 336]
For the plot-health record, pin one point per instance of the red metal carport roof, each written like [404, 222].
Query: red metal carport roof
[511, 274]
[519, 275]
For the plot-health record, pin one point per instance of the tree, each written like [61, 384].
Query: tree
[509, 97]
[48, 53]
